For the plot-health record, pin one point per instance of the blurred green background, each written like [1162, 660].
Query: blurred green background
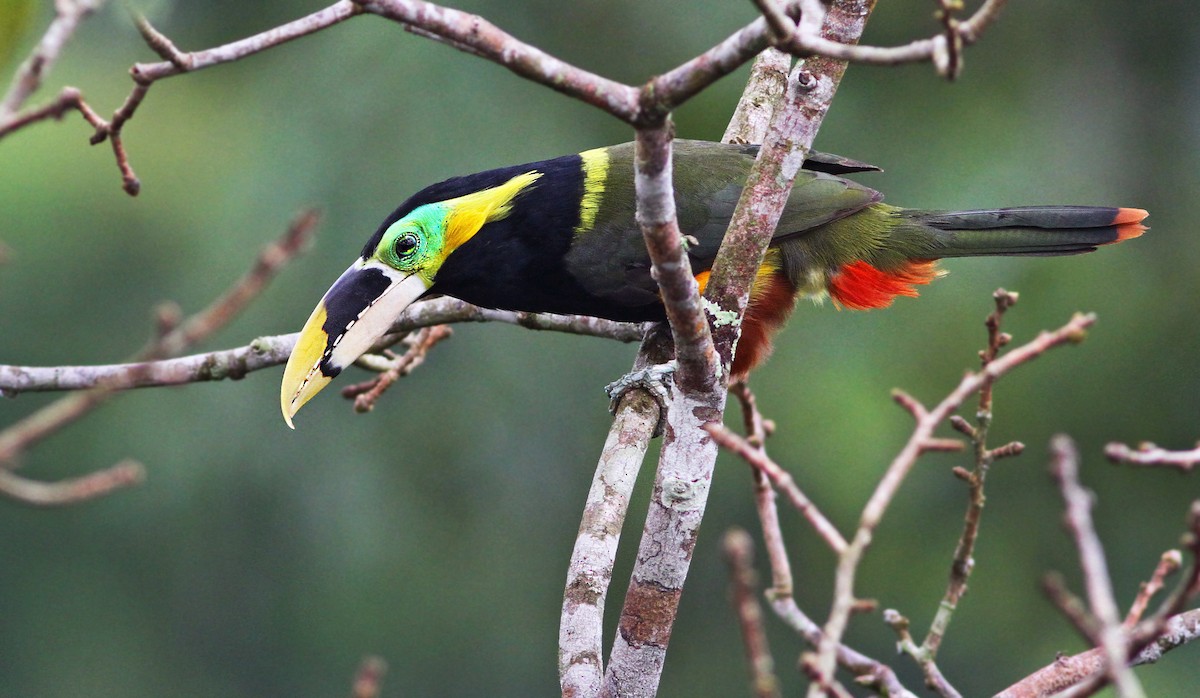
[257, 561]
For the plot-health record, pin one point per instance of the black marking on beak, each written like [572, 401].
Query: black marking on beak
[345, 302]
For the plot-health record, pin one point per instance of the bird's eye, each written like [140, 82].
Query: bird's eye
[405, 244]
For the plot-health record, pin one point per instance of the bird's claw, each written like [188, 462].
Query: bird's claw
[655, 380]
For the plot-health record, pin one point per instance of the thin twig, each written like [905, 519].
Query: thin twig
[739, 554]
[68, 15]
[1065, 672]
[1071, 606]
[71, 490]
[1086, 673]
[783, 480]
[1147, 454]
[419, 343]
[146, 73]
[867, 671]
[162, 45]
[1109, 634]
[482, 38]
[757, 429]
[962, 563]
[943, 53]
[933, 675]
[927, 420]
[1170, 563]
[20, 436]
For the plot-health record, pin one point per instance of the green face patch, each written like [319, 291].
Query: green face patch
[416, 244]
[420, 242]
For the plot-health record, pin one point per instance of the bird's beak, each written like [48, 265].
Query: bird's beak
[355, 313]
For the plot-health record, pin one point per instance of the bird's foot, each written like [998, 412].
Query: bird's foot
[655, 380]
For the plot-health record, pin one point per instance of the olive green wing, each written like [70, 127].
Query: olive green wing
[609, 259]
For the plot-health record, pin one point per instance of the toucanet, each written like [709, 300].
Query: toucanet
[559, 236]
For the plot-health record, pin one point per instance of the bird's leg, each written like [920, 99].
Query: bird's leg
[655, 380]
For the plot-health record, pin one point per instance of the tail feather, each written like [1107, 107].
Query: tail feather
[1034, 230]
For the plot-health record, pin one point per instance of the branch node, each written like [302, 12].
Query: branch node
[161, 45]
[910, 403]
[806, 81]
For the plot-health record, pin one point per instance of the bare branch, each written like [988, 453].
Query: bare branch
[739, 553]
[933, 675]
[1110, 634]
[162, 45]
[68, 15]
[867, 671]
[482, 38]
[589, 575]
[680, 84]
[945, 53]
[757, 430]
[885, 492]
[761, 97]
[73, 490]
[782, 479]
[1065, 672]
[963, 562]
[146, 73]
[1147, 454]
[698, 367]
[20, 436]
[1071, 606]
[265, 352]
[69, 98]
[1170, 563]
[419, 343]
[681, 488]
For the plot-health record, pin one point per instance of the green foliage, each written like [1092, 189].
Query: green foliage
[435, 531]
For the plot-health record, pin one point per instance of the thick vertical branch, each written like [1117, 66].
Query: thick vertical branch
[671, 268]
[762, 95]
[589, 575]
[686, 462]
[810, 91]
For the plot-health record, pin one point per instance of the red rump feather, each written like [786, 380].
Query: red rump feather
[860, 286]
[770, 304]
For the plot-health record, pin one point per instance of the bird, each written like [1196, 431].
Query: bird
[560, 236]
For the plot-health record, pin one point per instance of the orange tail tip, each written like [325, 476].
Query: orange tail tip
[1129, 223]
[860, 286]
